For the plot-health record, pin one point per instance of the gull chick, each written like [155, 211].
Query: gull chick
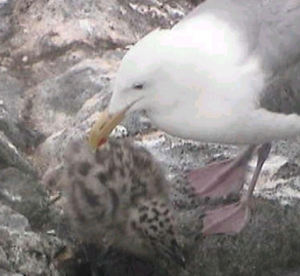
[117, 196]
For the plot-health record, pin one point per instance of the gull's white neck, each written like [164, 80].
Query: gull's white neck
[255, 127]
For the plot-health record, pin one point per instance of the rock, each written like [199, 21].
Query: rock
[22, 137]
[5, 28]
[288, 170]
[137, 123]
[269, 242]
[7, 273]
[196, 2]
[10, 156]
[24, 251]
[26, 195]
[11, 92]
[4, 263]
[48, 156]
[6, 7]
[14, 127]
[58, 100]
[12, 220]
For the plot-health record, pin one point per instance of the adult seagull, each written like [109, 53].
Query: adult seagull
[208, 79]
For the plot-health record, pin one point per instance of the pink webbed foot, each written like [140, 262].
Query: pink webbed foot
[232, 219]
[221, 178]
[229, 219]
[218, 179]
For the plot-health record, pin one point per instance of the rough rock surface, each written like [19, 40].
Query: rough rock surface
[57, 64]
[23, 252]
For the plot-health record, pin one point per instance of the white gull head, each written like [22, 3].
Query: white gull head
[197, 81]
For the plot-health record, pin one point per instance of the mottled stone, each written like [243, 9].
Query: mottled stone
[24, 251]
[25, 194]
[11, 157]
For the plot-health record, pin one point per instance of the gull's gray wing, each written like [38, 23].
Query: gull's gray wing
[270, 28]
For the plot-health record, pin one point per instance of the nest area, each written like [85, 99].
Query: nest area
[91, 261]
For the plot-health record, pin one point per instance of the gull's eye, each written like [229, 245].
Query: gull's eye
[138, 86]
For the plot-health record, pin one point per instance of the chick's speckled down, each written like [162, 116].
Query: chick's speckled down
[118, 196]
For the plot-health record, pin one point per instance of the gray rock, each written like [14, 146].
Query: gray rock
[15, 136]
[7, 273]
[6, 28]
[19, 134]
[196, 2]
[11, 123]
[137, 123]
[11, 92]
[49, 154]
[68, 92]
[26, 195]
[10, 156]
[93, 105]
[58, 100]
[288, 170]
[25, 252]
[6, 7]
[270, 242]
[4, 263]
[13, 221]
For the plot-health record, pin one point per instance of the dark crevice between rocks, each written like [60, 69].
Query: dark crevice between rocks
[32, 137]
[195, 2]
[287, 170]
[112, 262]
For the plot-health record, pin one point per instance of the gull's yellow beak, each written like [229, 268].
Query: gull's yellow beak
[103, 127]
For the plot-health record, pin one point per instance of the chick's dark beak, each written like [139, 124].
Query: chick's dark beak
[176, 254]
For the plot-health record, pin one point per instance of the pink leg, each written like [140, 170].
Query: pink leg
[221, 178]
[233, 218]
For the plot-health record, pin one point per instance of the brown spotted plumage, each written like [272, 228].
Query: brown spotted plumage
[117, 196]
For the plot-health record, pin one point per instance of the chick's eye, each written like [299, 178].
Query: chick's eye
[138, 86]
